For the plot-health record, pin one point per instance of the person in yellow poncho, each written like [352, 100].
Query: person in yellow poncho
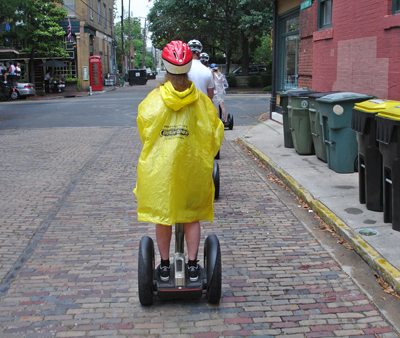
[181, 134]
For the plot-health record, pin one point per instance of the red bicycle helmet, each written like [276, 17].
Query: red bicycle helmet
[177, 57]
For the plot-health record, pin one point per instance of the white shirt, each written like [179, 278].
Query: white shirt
[201, 76]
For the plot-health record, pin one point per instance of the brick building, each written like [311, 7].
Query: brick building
[339, 45]
[92, 25]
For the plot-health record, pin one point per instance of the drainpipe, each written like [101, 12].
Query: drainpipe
[272, 104]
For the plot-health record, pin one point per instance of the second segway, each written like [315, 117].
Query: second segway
[229, 120]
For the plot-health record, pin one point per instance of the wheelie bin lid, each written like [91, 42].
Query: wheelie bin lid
[343, 97]
[285, 93]
[375, 105]
[392, 113]
[317, 95]
[300, 93]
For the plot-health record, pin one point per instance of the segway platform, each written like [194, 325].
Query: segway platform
[179, 285]
[168, 290]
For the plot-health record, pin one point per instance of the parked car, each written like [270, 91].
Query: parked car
[253, 70]
[22, 90]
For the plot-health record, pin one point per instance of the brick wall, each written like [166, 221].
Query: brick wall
[305, 67]
[361, 53]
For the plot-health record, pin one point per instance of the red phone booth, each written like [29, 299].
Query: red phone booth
[96, 80]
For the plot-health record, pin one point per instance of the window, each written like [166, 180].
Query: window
[99, 10]
[324, 14]
[69, 5]
[91, 9]
[395, 6]
[105, 15]
[288, 50]
[110, 16]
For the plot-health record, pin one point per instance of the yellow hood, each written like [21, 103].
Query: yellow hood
[177, 100]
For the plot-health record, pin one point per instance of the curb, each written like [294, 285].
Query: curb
[388, 272]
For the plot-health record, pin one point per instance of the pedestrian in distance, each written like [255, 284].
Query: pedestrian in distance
[200, 74]
[181, 134]
[47, 83]
[220, 89]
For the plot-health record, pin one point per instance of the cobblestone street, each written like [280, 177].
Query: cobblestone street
[69, 247]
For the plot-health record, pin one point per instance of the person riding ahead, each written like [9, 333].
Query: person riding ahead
[181, 133]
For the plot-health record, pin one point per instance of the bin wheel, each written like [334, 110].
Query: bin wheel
[213, 268]
[216, 179]
[145, 270]
[356, 165]
[230, 121]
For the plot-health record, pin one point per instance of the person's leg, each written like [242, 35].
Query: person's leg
[163, 235]
[223, 110]
[192, 233]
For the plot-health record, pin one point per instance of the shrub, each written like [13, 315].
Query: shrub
[72, 80]
[266, 79]
[232, 81]
[254, 81]
[41, 93]
[267, 88]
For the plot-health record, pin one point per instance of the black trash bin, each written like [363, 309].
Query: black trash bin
[137, 77]
[388, 136]
[370, 181]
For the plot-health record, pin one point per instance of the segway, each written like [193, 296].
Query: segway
[229, 120]
[179, 285]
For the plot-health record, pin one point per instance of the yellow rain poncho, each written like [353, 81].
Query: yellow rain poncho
[181, 133]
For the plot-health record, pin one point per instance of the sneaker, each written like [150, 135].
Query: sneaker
[163, 272]
[194, 273]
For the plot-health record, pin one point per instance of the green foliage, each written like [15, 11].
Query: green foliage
[267, 89]
[254, 81]
[34, 26]
[41, 93]
[72, 81]
[232, 81]
[212, 22]
[137, 43]
[265, 78]
[263, 53]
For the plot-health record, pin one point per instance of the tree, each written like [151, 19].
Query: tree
[212, 22]
[137, 42]
[34, 27]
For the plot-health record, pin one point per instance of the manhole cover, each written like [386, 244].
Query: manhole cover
[368, 232]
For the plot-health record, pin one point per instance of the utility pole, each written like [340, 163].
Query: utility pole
[144, 45]
[122, 37]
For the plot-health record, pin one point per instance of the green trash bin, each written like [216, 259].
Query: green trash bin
[388, 136]
[299, 122]
[340, 140]
[283, 97]
[316, 125]
[370, 181]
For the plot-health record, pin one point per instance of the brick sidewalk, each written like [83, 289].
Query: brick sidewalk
[70, 234]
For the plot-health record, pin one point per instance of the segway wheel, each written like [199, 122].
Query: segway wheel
[213, 268]
[217, 156]
[145, 270]
[230, 121]
[216, 179]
